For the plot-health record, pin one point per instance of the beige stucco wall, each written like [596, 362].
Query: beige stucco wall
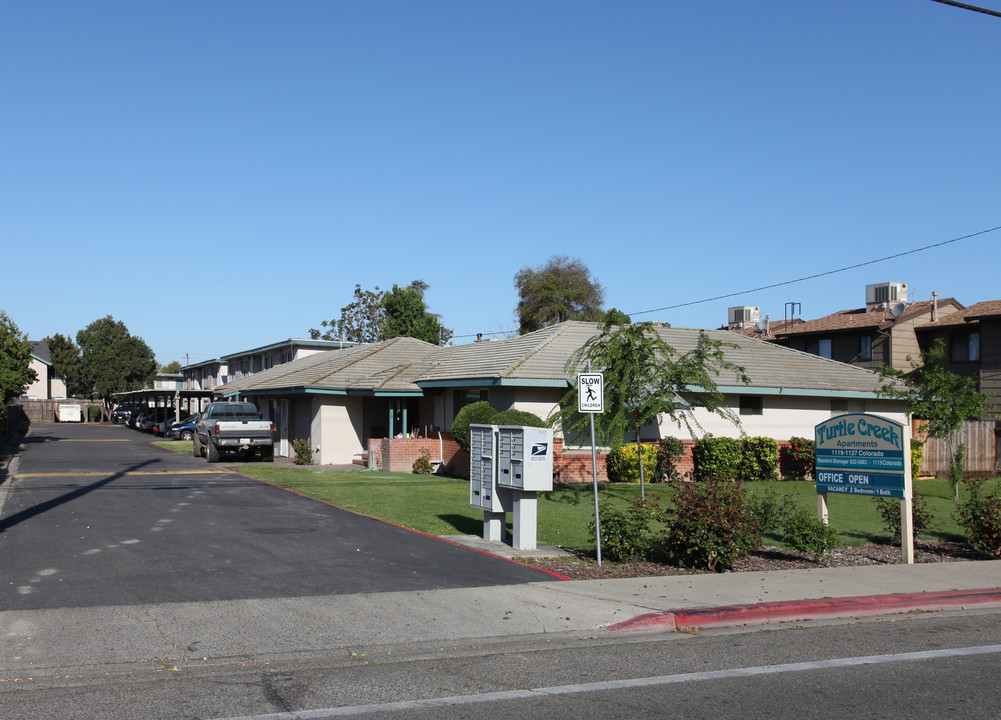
[40, 388]
[782, 417]
[335, 430]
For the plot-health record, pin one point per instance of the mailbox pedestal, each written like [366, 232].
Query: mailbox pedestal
[509, 466]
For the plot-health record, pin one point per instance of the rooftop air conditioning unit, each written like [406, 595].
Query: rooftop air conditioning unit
[743, 314]
[885, 293]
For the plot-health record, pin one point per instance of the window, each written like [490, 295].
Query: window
[751, 405]
[865, 347]
[965, 348]
[820, 346]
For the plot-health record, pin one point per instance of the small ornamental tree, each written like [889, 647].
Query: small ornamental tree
[16, 373]
[943, 398]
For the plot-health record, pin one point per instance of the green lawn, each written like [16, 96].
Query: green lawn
[440, 506]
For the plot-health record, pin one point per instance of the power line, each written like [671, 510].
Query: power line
[974, 8]
[817, 275]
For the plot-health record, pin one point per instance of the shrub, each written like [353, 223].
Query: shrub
[980, 516]
[799, 458]
[921, 516]
[759, 459]
[917, 450]
[769, 510]
[303, 452]
[716, 458]
[622, 464]
[518, 418]
[93, 413]
[478, 413]
[623, 532]
[708, 526]
[669, 451]
[806, 532]
[422, 465]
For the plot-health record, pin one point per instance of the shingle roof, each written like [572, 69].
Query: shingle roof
[40, 349]
[988, 308]
[858, 318]
[405, 364]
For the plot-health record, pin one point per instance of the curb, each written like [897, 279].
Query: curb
[769, 612]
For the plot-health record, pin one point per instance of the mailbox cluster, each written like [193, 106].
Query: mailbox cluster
[508, 465]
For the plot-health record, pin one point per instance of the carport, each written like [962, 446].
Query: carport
[193, 400]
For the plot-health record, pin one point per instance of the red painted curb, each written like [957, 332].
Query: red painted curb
[767, 612]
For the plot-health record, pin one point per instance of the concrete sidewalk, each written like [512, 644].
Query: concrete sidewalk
[40, 641]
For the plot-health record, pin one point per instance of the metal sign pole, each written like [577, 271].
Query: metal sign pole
[594, 472]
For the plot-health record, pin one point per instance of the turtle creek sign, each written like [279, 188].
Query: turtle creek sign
[861, 454]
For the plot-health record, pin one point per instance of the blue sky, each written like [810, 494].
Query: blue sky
[219, 175]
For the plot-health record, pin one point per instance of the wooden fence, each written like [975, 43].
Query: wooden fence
[980, 438]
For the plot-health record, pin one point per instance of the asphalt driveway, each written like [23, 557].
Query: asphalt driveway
[97, 516]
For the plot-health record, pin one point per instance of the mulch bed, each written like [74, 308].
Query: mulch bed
[583, 567]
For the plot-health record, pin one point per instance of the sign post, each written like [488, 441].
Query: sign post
[862, 454]
[591, 400]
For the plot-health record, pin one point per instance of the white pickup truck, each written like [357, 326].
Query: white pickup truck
[233, 427]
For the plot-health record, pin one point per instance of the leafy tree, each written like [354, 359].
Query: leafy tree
[943, 398]
[65, 357]
[16, 373]
[646, 378]
[171, 367]
[112, 361]
[405, 314]
[560, 290]
[360, 320]
[614, 316]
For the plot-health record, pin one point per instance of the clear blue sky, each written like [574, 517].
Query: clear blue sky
[219, 175]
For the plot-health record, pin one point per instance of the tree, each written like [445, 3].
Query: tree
[645, 378]
[65, 357]
[112, 361]
[171, 367]
[560, 290]
[614, 316]
[360, 320]
[405, 314]
[16, 373]
[942, 398]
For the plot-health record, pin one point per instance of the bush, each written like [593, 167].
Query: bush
[708, 526]
[798, 458]
[716, 458]
[303, 452]
[921, 516]
[623, 532]
[917, 450]
[980, 516]
[759, 459]
[806, 532]
[769, 510]
[669, 451]
[422, 465]
[93, 413]
[518, 418]
[478, 413]
[622, 464]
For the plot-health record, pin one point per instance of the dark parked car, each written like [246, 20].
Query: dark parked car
[162, 426]
[123, 410]
[184, 430]
[152, 417]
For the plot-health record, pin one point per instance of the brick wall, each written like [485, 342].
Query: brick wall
[399, 454]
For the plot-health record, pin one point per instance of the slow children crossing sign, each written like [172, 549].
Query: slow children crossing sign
[591, 393]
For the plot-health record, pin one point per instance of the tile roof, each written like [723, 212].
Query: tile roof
[858, 318]
[406, 364]
[986, 309]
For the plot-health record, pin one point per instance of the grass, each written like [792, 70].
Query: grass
[440, 506]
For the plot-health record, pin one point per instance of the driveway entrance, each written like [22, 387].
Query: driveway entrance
[97, 516]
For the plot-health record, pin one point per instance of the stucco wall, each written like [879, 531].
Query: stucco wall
[336, 429]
